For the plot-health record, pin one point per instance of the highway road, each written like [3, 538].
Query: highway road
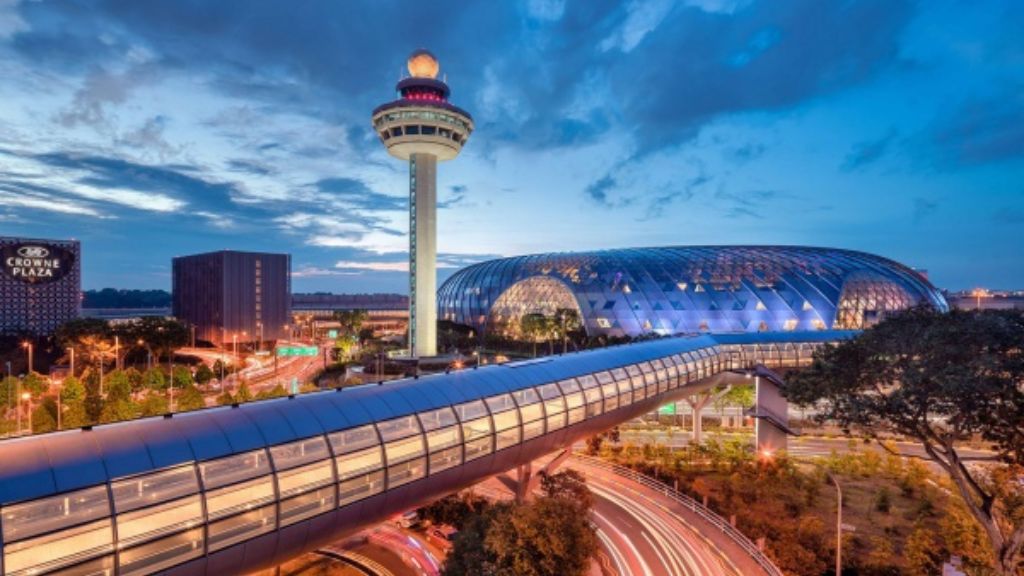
[644, 533]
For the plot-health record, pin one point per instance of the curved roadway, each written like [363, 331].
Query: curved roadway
[645, 533]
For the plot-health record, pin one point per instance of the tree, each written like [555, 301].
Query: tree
[351, 321]
[118, 386]
[225, 398]
[8, 391]
[940, 379]
[567, 321]
[277, 391]
[134, 378]
[154, 404]
[182, 377]
[243, 394]
[154, 379]
[568, 485]
[549, 537]
[455, 509]
[44, 416]
[203, 374]
[534, 326]
[190, 399]
[35, 383]
[116, 410]
[72, 399]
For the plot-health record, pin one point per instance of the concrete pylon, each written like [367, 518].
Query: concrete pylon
[771, 410]
[527, 479]
[697, 403]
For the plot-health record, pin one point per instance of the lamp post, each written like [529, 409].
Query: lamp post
[839, 524]
[28, 349]
[117, 352]
[28, 405]
[71, 350]
[260, 324]
[767, 455]
[60, 390]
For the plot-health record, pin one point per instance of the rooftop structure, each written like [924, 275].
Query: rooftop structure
[688, 289]
[422, 127]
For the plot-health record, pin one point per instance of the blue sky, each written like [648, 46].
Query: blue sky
[160, 128]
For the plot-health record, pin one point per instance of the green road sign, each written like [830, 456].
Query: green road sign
[332, 333]
[297, 351]
[667, 410]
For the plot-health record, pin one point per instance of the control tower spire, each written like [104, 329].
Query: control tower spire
[422, 127]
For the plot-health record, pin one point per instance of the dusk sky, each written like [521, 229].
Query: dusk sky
[150, 129]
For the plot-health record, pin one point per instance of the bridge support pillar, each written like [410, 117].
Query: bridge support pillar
[771, 410]
[527, 479]
[697, 404]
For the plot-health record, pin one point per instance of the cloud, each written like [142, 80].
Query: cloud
[150, 137]
[457, 197]
[868, 152]
[924, 207]
[983, 130]
[545, 10]
[1008, 215]
[356, 194]
[747, 152]
[11, 22]
[401, 266]
[642, 18]
[598, 190]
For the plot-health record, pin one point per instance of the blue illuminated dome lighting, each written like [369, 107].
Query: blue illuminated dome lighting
[688, 289]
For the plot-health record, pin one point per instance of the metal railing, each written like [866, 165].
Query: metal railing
[689, 503]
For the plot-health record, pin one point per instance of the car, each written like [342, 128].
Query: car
[407, 520]
[442, 536]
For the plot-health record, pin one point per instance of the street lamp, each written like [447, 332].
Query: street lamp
[71, 350]
[60, 390]
[26, 397]
[767, 454]
[28, 349]
[149, 353]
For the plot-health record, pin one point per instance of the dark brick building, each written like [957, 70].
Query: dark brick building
[226, 294]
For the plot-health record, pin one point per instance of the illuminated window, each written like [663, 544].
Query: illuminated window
[789, 324]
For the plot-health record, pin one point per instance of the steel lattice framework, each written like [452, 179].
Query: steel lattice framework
[689, 289]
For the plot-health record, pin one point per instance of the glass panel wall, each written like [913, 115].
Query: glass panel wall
[160, 554]
[477, 434]
[59, 549]
[635, 381]
[554, 406]
[506, 420]
[531, 411]
[359, 461]
[444, 442]
[404, 450]
[573, 400]
[608, 390]
[592, 394]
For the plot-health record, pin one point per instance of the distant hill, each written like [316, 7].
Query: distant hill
[111, 298]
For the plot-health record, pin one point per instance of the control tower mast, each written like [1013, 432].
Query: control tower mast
[422, 127]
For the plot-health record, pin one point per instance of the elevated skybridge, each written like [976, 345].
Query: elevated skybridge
[235, 489]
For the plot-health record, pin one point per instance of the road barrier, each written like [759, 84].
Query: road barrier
[689, 503]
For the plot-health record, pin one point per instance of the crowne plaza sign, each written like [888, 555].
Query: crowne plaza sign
[36, 263]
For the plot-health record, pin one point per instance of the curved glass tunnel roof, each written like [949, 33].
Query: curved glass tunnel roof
[688, 289]
[235, 489]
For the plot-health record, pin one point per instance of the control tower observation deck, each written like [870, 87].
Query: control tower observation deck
[422, 127]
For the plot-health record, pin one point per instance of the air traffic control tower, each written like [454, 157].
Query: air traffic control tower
[423, 128]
